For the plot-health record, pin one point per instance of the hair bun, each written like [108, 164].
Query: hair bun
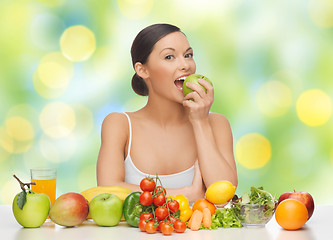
[139, 85]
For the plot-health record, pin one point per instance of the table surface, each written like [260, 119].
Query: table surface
[318, 227]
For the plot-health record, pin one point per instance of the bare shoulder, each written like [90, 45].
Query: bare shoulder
[114, 118]
[115, 123]
[218, 119]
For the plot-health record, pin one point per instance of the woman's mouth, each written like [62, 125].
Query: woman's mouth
[179, 83]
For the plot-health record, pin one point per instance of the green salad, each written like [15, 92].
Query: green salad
[254, 208]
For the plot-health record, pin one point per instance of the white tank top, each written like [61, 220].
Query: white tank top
[134, 175]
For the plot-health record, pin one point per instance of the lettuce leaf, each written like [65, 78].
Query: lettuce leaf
[224, 218]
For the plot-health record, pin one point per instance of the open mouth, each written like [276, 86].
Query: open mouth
[179, 83]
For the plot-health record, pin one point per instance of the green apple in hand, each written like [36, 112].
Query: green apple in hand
[106, 209]
[194, 78]
[30, 209]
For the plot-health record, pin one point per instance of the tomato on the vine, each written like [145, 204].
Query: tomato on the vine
[159, 200]
[162, 223]
[145, 198]
[146, 216]
[166, 229]
[147, 184]
[179, 226]
[151, 227]
[172, 219]
[159, 189]
[142, 225]
[173, 206]
[161, 213]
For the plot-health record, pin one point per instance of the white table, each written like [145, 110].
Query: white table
[320, 227]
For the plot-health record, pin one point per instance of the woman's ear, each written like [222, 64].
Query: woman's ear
[141, 70]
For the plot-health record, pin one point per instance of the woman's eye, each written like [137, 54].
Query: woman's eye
[169, 57]
[189, 55]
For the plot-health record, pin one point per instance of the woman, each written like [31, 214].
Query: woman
[173, 136]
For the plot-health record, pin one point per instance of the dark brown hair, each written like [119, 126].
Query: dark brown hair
[142, 46]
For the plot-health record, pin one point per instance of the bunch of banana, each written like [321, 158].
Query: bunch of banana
[119, 191]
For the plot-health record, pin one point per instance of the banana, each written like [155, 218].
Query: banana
[119, 191]
[90, 193]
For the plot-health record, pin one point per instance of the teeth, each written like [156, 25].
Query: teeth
[181, 79]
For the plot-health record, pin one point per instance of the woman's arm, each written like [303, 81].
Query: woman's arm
[213, 136]
[110, 163]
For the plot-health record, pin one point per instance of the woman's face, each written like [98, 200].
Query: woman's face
[170, 60]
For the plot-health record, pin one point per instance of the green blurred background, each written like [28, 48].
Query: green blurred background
[66, 64]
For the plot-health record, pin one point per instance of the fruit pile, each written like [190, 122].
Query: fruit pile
[294, 210]
[150, 209]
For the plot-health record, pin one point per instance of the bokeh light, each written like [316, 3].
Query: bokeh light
[135, 9]
[52, 3]
[321, 12]
[17, 135]
[57, 119]
[314, 107]
[253, 151]
[9, 191]
[84, 121]
[274, 98]
[55, 71]
[45, 30]
[53, 75]
[77, 43]
[49, 148]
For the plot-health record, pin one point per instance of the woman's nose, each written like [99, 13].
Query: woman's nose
[184, 64]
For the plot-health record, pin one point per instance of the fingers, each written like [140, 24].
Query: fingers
[196, 88]
[209, 87]
[198, 91]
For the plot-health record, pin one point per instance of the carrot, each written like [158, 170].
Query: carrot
[207, 218]
[195, 221]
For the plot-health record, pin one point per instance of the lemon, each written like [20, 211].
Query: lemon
[220, 192]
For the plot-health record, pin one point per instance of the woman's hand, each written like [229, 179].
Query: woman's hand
[199, 102]
[197, 189]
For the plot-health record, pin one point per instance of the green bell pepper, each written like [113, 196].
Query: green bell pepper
[132, 209]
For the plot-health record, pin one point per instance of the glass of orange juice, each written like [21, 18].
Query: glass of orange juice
[45, 180]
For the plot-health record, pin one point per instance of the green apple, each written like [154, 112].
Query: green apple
[31, 209]
[106, 209]
[194, 79]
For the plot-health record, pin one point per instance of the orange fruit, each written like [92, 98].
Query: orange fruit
[202, 203]
[291, 214]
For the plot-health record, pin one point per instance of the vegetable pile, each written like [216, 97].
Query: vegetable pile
[151, 210]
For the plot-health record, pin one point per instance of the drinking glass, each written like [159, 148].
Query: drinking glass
[45, 180]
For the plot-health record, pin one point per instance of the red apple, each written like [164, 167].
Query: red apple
[70, 209]
[303, 197]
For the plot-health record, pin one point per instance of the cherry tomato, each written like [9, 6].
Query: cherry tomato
[173, 206]
[162, 223]
[142, 225]
[172, 219]
[179, 226]
[147, 184]
[145, 198]
[161, 213]
[146, 216]
[159, 200]
[159, 189]
[150, 227]
[166, 229]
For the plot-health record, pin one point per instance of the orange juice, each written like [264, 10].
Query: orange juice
[47, 186]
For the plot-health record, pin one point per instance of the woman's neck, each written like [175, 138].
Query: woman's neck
[164, 112]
